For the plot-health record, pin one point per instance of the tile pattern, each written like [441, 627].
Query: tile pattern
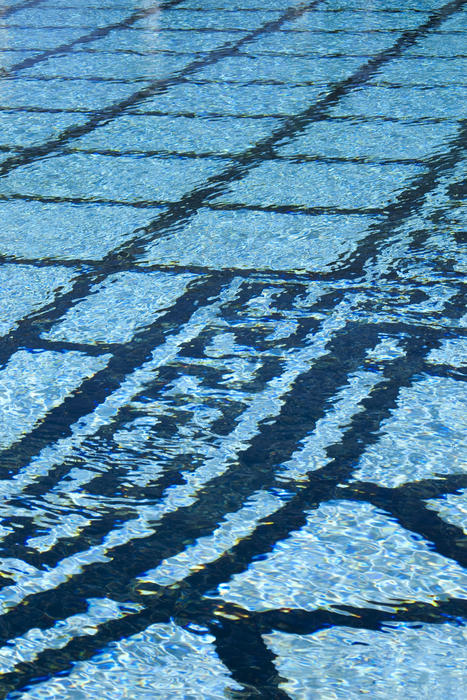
[231, 363]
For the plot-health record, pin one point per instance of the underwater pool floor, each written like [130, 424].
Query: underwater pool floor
[232, 353]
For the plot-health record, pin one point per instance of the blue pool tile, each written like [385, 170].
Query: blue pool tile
[146, 41]
[37, 37]
[75, 17]
[215, 19]
[375, 139]
[209, 99]
[404, 103]
[102, 65]
[121, 179]
[335, 185]
[178, 134]
[281, 68]
[321, 43]
[67, 231]
[261, 240]
[362, 21]
[426, 71]
[25, 288]
[22, 129]
[109, 315]
[63, 94]
[32, 383]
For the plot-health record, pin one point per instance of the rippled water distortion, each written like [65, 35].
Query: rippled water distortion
[232, 356]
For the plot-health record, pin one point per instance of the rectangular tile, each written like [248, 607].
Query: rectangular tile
[347, 43]
[404, 103]
[23, 129]
[395, 661]
[375, 139]
[123, 179]
[425, 71]
[218, 99]
[102, 65]
[32, 383]
[121, 305]
[260, 240]
[37, 37]
[347, 553]
[287, 69]
[76, 17]
[67, 231]
[439, 44]
[9, 58]
[24, 289]
[179, 134]
[423, 438]
[333, 20]
[214, 19]
[141, 40]
[81, 95]
[335, 185]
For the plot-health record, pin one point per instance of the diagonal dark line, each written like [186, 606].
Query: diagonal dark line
[404, 503]
[188, 205]
[155, 87]
[174, 606]
[99, 33]
[280, 448]
[242, 649]
[322, 484]
[8, 11]
[305, 404]
[126, 358]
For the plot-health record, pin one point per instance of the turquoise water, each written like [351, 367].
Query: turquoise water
[232, 349]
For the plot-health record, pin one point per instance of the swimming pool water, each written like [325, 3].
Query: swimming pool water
[232, 352]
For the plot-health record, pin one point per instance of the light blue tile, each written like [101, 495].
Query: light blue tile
[456, 23]
[439, 44]
[62, 94]
[353, 21]
[10, 58]
[233, 99]
[321, 43]
[215, 19]
[24, 288]
[281, 68]
[395, 661]
[122, 179]
[32, 383]
[67, 231]
[347, 553]
[234, 5]
[77, 17]
[178, 134]
[102, 65]
[423, 438]
[165, 661]
[372, 140]
[261, 240]
[111, 315]
[425, 72]
[36, 37]
[335, 185]
[146, 41]
[404, 103]
[23, 129]
[382, 5]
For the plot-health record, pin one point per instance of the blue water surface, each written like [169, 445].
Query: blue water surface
[232, 352]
